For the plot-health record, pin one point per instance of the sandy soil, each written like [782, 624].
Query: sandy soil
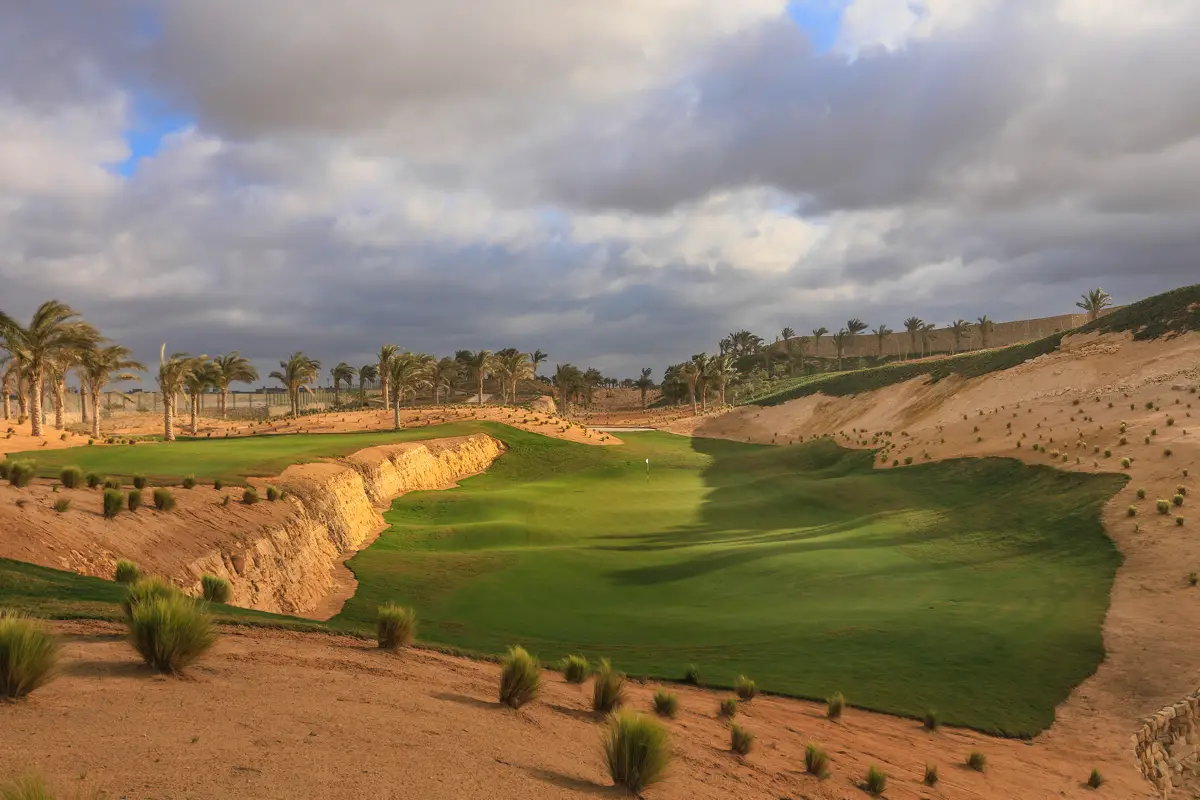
[274, 714]
[1153, 655]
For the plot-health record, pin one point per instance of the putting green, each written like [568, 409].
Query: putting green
[976, 587]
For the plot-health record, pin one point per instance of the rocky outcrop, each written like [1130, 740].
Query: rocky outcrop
[1168, 743]
[335, 509]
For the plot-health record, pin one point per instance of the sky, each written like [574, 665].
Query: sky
[617, 182]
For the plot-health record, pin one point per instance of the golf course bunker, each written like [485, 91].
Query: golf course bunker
[976, 587]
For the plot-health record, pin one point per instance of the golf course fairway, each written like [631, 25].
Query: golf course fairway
[976, 587]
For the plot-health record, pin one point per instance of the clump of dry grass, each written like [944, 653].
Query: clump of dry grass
[28, 655]
[636, 751]
[396, 627]
[520, 677]
[608, 688]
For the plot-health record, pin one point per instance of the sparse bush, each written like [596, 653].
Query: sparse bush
[1141, 494]
[575, 668]
[170, 632]
[692, 675]
[93, 480]
[249, 497]
[1107, 453]
[135, 499]
[1131, 511]
[114, 501]
[931, 775]
[728, 708]
[835, 706]
[745, 689]
[5, 466]
[816, 761]
[71, 477]
[1193, 578]
[215, 589]
[876, 782]
[907, 460]
[1163, 506]
[217, 484]
[608, 688]
[272, 494]
[665, 703]
[163, 499]
[126, 572]
[1181, 490]
[139, 481]
[62, 505]
[931, 721]
[225, 500]
[636, 751]
[741, 741]
[520, 677]
[28, 655]
[1095, 780]
[1179, 521]
[1125, 463]
[112, 483]
[1167, 452]
[396, 627]
[143, 590]
[189, 482]
[20, 473]
[977, 761]
[1177, 500]
[1170, 421]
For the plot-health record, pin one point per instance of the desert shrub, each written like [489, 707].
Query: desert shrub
[1167, 452]
[139, 481]
[71, 477]
[977, 761]
[126, 572]
[143, 590]
[636, 751]
[163, 499]
[20, 473]
[1095, 780]
[1123, 441]
[189, 482]
[907, 460]
[5, 469]
[576, 668]
[215, 589]
[728, 708]
[745, 688]
[170, 632]
[217, 484]
[608, 688]
[1141, 494]
[112, 483]
[835, 706]
[396, 627]
[665, 703]
[62, 505]
[1177, 500]
[1179, 521]
[93, 480]
[225, 500]
[692, 675]
[1108, 453]
[1163, 506]
[28, 655]
[741, 741]
[1181, 490]
[1125, 463]
[816, 761]
[876, 782]
[931, 775]
[114, 501]
[272, 494]
[1193, 578]
[249, 497]
[1170, 421]
[931, 721]
[135, 499]
[520, 677]
[1131, 511]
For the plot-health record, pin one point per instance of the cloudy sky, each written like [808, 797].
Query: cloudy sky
[618, 182]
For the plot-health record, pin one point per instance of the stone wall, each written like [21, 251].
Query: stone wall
[1166, 745]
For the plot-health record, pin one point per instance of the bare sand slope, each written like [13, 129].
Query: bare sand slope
[1062, 403]
[273, 714]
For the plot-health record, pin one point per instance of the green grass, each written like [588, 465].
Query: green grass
[227, 460]
[976, 586]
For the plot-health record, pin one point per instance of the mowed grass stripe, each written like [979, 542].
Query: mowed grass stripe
[975, 586]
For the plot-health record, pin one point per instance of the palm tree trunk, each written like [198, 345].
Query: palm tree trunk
[60, 402]
[337, 393]
[643, 399]
[169, 417]
[95, 401]
[83, 403]
[224, 402]
[383, 382]
[396, 416]
[481, 388]
[7, 402]
[35, 402]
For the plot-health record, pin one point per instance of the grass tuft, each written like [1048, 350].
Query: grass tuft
[1163, 506]
[977, 761]
[816, 761]
[520, 678]
[741, 741]
[163, 499]
[835, 706]
[692, 675]
[126, 572]
[272, 494]
[576, 668]
[145, 589]
[71, 477]
[189, 482]
[745, 689]
[20, 473]
[170, 632]
[134, 500]
[28, 655]
[139, 482]
[931, 722]
[249, 497]
[666, 704]
[216, 589]
[728, 708]
[114, 502]
[93, 480]
[876, 782]
[608, 688]
[931, 775]
[636, 751]
[62, 505]
[1095, 780]
[397, 626]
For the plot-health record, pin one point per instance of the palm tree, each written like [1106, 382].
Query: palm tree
[588, 384]
[799, 349]
[787, 334]
[55, 331]
[442, 375]
[408, 374]
[386, 354]
[228, 369]
[817, 334]
[958, 329]
[926, 331]
[342, 372]
[366, 374]
[172, 374]
[567, 381]
[881, 333]
[644, 384]
[701, 360]
[513, 366]
[855, 326]
[536, 358]
[1094, 301]
[720, 371]
[101, 366]
[296, 374]
[913, 326]
[839, 341]
[690, 373]
[8, 378]
[478, 365]
[985, 329]
[202, 377]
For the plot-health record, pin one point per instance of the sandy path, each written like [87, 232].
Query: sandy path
[274, 714]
